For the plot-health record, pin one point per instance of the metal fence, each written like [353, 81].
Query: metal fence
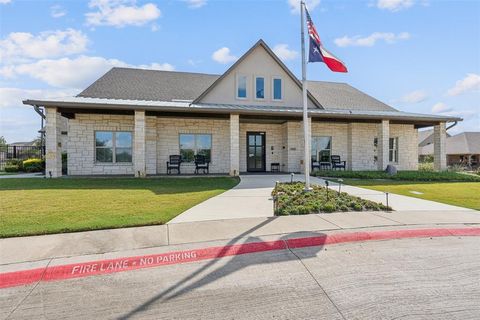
[10, 152]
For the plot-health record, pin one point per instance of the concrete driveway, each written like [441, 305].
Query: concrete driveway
[252, 198]
[396, 279]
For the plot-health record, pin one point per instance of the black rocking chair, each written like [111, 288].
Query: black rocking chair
[174, 163]
[337, 163]
[201, 163]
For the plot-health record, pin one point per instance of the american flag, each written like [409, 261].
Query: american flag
[312, 32]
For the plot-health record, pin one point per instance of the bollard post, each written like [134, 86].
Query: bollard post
[386, 195]
[291, 177]
[340, 185]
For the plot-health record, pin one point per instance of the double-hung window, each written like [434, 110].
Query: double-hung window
[113, 146]
[277, 93]
[321, 149]
[241, 87]
[259, 87]
[393, 150]
[195, 144]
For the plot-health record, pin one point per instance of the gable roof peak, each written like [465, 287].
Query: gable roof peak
[272, 54]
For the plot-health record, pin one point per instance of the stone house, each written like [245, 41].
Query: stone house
[130, 121]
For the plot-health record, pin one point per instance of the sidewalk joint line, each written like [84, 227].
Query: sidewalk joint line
[315, 279]
[31, 290]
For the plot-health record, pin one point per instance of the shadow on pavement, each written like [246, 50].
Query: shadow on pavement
[185, 285]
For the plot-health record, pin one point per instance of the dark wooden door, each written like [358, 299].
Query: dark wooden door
[255, 151]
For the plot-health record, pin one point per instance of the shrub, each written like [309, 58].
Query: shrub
[15, 162]
[292, 200]
[11, 168]
[401, 175]
[426, 166]
[33, 165]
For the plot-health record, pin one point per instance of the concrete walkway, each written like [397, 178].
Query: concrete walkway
[252, 198]
[23, 175]
[39, 248]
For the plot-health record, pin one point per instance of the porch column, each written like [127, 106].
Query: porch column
[151, 145]
[350, 146]
[234, 144]
[53, 144]
[383, 138]
[439, 147]
[139, 164]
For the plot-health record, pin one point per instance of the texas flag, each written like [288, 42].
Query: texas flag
[318, 53]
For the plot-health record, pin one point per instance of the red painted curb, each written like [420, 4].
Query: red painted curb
[69, 271]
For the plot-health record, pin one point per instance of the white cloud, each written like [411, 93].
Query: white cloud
[295, 5]
[284, 53]
[370, 40]
[18, 46]
[13, 97]
[415, 96]
[120, 13]
[470, 83]
[194, 4]
[5, 1]
[394, 5]
[72, 73]
[441, 108]
[223, 55]
[57, 11]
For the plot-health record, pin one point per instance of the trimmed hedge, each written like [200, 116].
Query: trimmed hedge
[33, 165]
[401, 175]
[290, 199]
[11, 168]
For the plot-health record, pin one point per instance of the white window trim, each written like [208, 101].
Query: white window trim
[113, 147]
[281, 88]
[395, 150]
[236, 86]
[264, 87]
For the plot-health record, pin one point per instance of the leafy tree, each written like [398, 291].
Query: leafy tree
[3, 141]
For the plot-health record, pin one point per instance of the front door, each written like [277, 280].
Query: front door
[256, 151]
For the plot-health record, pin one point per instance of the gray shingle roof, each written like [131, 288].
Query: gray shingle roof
[154, 85]
[333, 95]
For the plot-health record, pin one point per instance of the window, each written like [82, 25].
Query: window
[393, 150]
[113, 146]
[260, 88]
[277, 89]
[321, 149]
[195, 144]
[241, 87]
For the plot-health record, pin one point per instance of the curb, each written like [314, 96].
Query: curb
[99, 267]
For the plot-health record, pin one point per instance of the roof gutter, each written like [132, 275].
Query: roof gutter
[451, 126]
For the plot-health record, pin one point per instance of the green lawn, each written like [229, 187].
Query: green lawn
[41, 206]
[463, 194]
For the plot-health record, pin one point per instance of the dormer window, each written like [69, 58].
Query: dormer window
[277, 89]
[259, 87]
[241, 87]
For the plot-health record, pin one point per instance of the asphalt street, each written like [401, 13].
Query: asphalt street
[420, 278]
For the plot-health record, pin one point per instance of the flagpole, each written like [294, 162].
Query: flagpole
[306, 130]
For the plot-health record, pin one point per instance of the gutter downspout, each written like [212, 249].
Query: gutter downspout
[42, 131]
[451, 126]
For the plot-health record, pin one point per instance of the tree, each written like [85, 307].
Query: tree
[3, 141]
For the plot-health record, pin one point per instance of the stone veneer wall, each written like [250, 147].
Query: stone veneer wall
[81, 143]
[162, 140]
[168, 130]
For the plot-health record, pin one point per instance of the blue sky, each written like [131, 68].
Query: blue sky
[416, 55]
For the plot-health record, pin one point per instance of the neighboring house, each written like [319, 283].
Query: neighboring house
[461, 149]
[131, 120]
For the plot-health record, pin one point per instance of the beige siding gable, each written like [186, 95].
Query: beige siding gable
[258, 63]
